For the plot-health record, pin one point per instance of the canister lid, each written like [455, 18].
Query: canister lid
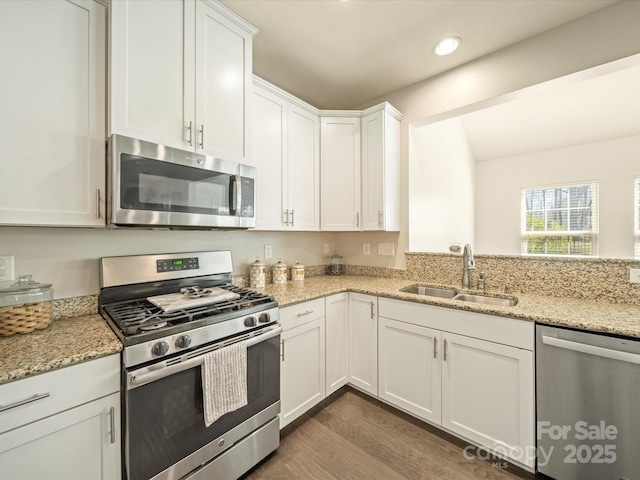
[297, 266]
[25, 290]
[280, 265]
[257, 263]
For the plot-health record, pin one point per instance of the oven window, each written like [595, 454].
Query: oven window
[147, 184]
[165, 421]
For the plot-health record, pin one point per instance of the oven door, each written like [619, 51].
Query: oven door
[165, 433]
[154, 185]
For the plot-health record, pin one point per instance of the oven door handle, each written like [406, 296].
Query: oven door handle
[157, 371]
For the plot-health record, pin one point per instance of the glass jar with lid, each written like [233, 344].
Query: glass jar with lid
[25, 306]
[336, 264]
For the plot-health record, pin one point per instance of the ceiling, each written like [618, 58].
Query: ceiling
[593, 110]
[342, 54]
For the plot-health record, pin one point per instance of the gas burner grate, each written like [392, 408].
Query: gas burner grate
[139, 315]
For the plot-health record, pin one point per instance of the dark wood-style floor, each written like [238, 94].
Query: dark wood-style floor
[352, 436]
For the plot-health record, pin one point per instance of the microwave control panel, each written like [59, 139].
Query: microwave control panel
[248, 194]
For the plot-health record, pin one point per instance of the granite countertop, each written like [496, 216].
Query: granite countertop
[63, 343]
[618, 319]
[81, 338]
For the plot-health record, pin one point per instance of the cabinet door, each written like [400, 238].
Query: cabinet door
[80, 443]
[340, 173]
[152, 71]
[409, 367]
[302, 381]
[363, 342]
[488, 395]
[53, 96]
[303, 166]
[380, 172]
[223, 83]
[268, 154]
[337, 333]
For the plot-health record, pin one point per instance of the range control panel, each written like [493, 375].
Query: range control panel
[177, 264]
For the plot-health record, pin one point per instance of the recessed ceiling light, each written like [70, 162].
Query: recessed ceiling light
[447, 46]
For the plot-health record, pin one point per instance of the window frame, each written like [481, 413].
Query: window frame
[525, 235]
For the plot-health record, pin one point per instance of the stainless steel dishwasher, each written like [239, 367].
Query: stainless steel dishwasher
[588, 405]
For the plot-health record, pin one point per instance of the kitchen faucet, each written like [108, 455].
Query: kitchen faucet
[468, 263]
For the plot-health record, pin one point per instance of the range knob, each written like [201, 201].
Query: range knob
[250, 321]
[160, 349]
[183, 341]
[264, 317]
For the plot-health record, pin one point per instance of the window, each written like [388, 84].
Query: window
[636, 216]
[560, 220]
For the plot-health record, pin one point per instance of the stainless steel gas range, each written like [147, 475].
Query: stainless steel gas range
[164, 431]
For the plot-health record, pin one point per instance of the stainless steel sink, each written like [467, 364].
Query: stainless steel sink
[486, 300]
[430, 291]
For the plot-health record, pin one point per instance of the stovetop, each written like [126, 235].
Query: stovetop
[151, 334]
[141, 317]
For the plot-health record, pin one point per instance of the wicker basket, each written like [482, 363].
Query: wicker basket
[25, 306]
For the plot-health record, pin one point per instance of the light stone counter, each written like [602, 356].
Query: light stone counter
[65, 342]
[581, 314]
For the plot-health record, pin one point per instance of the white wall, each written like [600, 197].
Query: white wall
[604, 36]
[614, 164]
[68, 257]
[441, 187]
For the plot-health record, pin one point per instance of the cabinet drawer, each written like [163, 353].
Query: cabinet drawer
[301, 313]
[52, 392]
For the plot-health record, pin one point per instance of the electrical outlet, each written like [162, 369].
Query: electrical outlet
[268, 252]
[386, 249]
[366, 249]
[325, 249]
[6, 268]
[634, 275]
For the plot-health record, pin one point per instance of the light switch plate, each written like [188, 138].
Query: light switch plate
[386, 249]
[366, 249]
[6, 268]
[634, 275]
[268, 252]
[325, 248]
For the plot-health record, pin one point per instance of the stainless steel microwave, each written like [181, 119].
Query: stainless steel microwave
[156, 186]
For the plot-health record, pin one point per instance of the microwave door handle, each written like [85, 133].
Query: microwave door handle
[238, 184]
[233, 195]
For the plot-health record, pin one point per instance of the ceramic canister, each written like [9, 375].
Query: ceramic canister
[280, 273]
[297, 272]
[256, 274]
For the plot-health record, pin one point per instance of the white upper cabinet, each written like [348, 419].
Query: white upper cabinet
[360, 168]
[53, 96]
[286, 151]
[340, 172]
[381, 168]
[181, 75]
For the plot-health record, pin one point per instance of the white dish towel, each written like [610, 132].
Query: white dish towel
[224, 381]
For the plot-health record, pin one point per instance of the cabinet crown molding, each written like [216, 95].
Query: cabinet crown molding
[271, 88]
[233, 16]
[386, 107]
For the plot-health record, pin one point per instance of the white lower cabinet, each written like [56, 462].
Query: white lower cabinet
[69, 427]
[442, 366]
[363, 342]
[337, 338]
[488, 395]
[409, 368]
[302, 354]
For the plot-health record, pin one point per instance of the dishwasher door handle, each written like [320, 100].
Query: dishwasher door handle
[592, 349]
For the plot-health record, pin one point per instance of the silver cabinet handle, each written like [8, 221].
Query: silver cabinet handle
[357, 219]
[444, 350]
[292, 218]
[24, 402]
[202, 136]
[112, 421]
[282, 350]
[302, 314]
[286, 217]
[97, 203]
[435, 347]
[372, 312]
[380, 219]
[190, 128]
